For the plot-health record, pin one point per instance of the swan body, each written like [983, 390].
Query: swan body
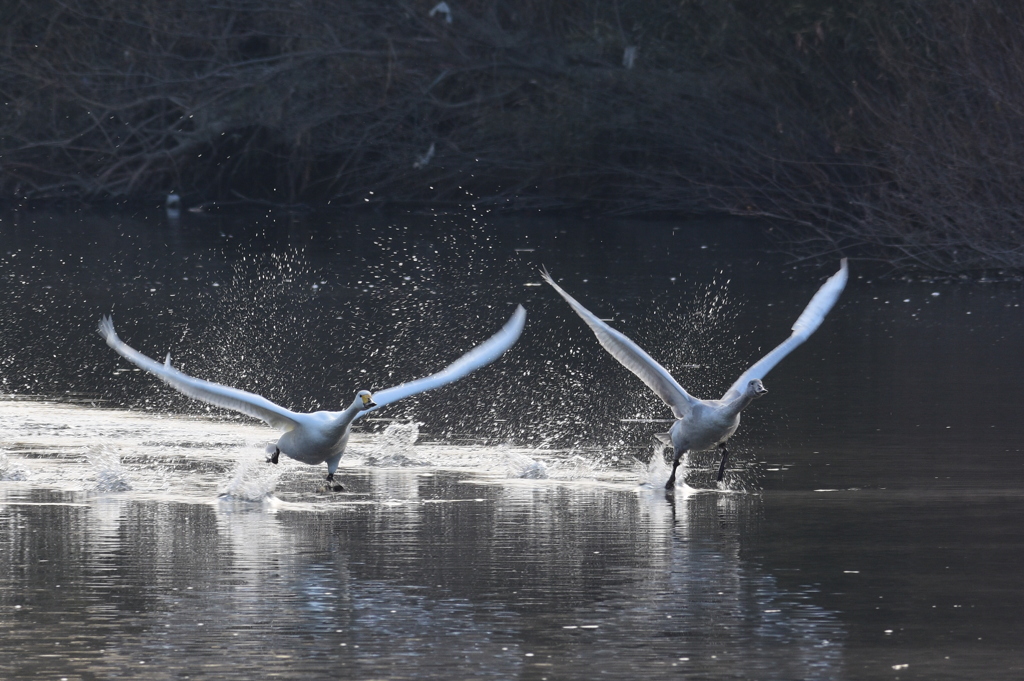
[317, 437]
[705, 424]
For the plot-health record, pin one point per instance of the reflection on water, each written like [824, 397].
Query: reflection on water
[415, 572]
[499, 528]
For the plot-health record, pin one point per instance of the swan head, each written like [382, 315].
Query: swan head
[756, 388]
[364, 399]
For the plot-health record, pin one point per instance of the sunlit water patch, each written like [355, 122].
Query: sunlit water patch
[106, 451]
[77, 448]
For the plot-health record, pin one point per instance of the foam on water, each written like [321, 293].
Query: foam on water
[557, 465]
[521, 465]
[576, 467]
[10, 471]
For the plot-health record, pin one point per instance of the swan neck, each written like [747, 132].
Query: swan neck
[739, 404]
[346, 418]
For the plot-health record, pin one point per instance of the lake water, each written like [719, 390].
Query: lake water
[505, 526]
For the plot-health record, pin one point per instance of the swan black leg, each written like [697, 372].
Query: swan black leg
[275, 456]
[331, 486]
[671, 484]
[725, 460]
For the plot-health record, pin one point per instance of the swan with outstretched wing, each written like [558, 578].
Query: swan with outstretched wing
[704, 424]
[321, 436]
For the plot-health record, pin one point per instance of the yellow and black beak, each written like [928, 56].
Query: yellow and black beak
[368, 402]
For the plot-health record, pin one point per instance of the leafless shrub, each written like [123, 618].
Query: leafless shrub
[894, 128]
[948, 117]
[526, 104]
[928, 133]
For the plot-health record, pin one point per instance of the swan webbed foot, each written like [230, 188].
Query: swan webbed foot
[275, 457]
[725, 460]
[333, 486]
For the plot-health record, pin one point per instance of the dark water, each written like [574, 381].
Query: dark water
[871, 529]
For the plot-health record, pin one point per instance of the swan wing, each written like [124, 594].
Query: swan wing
[806, 324]
[631, 356]
[482, 355]
[205, 391]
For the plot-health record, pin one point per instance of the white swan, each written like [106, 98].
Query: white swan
[321, 436]
[704, 424]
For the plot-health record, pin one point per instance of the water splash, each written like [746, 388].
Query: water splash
[252, 480]
[519, 465]
[394, 447]
[10, 472]
[655, 473]
[742, 477]
[695, 342]
[111, 473]
[688, 329]
[563, 466]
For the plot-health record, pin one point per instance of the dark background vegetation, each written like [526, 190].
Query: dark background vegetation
[892, 127]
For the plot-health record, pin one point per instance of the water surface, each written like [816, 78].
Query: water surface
[499, 528]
